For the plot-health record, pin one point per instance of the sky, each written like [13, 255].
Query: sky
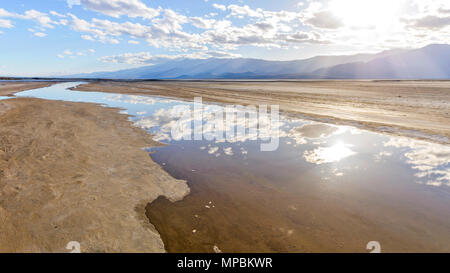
[61, 37]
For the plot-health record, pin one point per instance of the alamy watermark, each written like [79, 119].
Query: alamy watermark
[74, 247]
[374, 247]
[230, 123]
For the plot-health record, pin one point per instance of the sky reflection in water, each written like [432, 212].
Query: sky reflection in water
[341, 150]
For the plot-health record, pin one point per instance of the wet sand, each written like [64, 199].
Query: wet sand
[419, 109]
[9, 88]
[77, 172]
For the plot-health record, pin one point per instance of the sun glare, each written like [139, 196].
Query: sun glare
[334, 153]
[366, 13]
[337, 152]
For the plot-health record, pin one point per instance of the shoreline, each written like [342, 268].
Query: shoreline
[352, 103]
[10, 88]
[74, 171]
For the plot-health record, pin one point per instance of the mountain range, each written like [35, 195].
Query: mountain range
[430, 62]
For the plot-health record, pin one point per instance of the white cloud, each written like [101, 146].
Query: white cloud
[63, 22]
[40, 34]
[117, 8]
[221, 7]
[272, 29]
[165, 31]
[129, 58]
[87, 38]
[5, 23]
[148, 58]
[324, 19]
[73, 54]
[39, 17]
[245, 11]
[444, 10]
[431, 22]
[95, 29]
[202, 23]
[72, 3]
[5, 13]
[54, 13]
[133, 42]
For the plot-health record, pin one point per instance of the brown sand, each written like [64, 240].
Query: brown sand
[77, 172]
[422, 106]
[9, 88]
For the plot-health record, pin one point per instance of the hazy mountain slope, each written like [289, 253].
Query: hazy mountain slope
[431, 62]
[232, 68]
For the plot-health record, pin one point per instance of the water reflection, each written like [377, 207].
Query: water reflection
[131, 99]
[317, 143]
[312, 142]
[431, 162]
[330, 154]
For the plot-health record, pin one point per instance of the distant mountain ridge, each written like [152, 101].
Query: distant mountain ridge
[431, 62]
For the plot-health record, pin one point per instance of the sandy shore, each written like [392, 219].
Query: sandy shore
[9, 88]
[77, 172]
[419, 109]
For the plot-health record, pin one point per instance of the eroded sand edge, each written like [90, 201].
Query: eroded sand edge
[77, 172]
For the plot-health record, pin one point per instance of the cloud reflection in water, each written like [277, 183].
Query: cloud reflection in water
[429, 161]
[330, 154]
